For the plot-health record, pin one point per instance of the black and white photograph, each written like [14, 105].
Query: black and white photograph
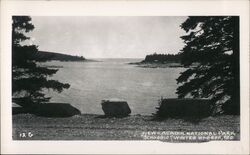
[126, 78]
[173, 79]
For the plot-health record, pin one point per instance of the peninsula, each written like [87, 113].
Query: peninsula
[160, 61]
[49, 56]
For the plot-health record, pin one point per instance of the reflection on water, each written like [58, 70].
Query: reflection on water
[92, 82]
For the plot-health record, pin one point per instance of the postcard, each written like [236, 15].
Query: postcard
[109, 77]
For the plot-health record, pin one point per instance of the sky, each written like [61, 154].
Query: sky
[108, 36]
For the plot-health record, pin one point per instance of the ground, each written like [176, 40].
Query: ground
[135, 127]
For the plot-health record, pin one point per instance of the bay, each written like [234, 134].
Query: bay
[93, 81]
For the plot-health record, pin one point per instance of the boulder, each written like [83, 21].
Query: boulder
[54, 110]
[26, 105]
[115, 108]
[184, 107]
[48, 110]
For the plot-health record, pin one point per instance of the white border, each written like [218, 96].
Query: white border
[121, 8]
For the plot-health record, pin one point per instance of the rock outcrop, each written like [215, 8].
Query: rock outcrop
[115, 108]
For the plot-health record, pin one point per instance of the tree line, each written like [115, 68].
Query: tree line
[162, 58]
[57, 56]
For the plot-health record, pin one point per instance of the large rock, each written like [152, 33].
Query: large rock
[115, 108]
[184, 107]
[54, 110]
[25, 105]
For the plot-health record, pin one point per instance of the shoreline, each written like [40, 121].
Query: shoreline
[156, 65]
[133, 127]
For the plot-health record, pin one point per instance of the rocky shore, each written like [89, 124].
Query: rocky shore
[156, 65]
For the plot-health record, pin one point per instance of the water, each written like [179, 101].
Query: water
[91, 82]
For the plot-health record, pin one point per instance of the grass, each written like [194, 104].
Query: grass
[96, 127]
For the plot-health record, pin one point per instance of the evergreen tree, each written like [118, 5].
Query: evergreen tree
[28, 78]
[211, 54]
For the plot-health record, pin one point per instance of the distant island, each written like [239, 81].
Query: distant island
[49, 56]
[160, 61]
[162, 58]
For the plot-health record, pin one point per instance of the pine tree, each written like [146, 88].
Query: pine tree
[211, 54]
[28, 78]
